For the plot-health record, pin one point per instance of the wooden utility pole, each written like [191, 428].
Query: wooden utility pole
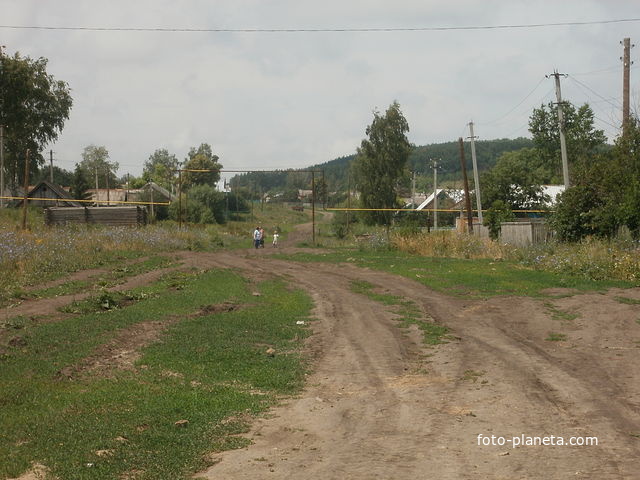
[180, 199]
[563, 143]
[51, 166]
[1, 144]
[413, 189]
[476, 177]
[348, 199]
[626, 68]
[26, 188]
[435, 194]
[1, 156]
[97, 193]
[313, 207]
[465, 180]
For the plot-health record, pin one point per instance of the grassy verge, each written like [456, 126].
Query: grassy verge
[465, 277]
[409, 312]
[207, 368]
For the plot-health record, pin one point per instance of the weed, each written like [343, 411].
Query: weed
[628, 301]
[558, 314]
[410, 314]
[472, 375]
[556, 337]
[218, 358]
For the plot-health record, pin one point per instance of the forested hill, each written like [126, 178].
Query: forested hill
[335, 171]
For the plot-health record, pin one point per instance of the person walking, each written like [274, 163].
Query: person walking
[256, 237]
[262, 237]
[275, 239]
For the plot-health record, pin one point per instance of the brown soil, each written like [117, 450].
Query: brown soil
[379, 404]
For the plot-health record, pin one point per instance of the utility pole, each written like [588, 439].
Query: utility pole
[313, 207]
[563, 143]
[50, 166]
[476, 177]
[626, 68]
[348, 198]
[465, 180]
[1, 141]
[26, 188]
[97, 193]
[1, 157]
[107, 182]
[435, 193]
[413, 190]
[180, 200]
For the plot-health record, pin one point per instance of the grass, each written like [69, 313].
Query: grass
[99, 426]
[558, 314]
[479, 278]
[410, 314]
[556, 337]
[627, 301]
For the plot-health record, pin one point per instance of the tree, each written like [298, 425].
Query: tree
[516, 180]
[380, 162]
[605, 193]
[95, 161]
[79, 183]
[201, 158]
[34, 107]
[161, 168]
[498, 213]
[582, 138]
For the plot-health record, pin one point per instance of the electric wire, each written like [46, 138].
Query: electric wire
[520, 103]
[321, 30]
[594, 92]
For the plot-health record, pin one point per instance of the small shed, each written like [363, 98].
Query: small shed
[47, 194]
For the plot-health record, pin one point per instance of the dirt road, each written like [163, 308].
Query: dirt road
[380, 405]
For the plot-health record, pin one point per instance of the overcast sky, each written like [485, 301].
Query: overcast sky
[281, 100]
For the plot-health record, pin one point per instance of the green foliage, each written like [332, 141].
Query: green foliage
[34, 109]
[498, 213]
[339, 224]
[582, 138]
[204, 204]
[79, 183]
[209, 368]
[161, 168]
[381, 160]
[201, 158]
[60, 176]
[95, 161]
[605, 194]
[516, 180]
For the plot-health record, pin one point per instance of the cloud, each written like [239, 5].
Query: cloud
[275, 100]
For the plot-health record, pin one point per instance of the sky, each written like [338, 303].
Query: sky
[276, 100]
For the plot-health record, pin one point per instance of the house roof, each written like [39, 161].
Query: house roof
[452, 193]
[60, 193]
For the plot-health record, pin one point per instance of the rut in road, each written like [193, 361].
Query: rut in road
[380, 405]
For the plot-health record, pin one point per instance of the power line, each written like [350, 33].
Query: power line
[520, 103]
[594, 92]
[320, 30]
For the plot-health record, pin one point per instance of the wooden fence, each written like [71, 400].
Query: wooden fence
[114, 216]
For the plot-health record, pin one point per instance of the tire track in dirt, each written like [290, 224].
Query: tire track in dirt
[370, 412]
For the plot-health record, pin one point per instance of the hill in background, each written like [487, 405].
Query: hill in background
[336, 171]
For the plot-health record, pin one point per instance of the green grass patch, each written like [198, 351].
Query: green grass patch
[558, 314]
[210, 369]
[556, 337]
[410, 314]
[479, 278]
[627, 301]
